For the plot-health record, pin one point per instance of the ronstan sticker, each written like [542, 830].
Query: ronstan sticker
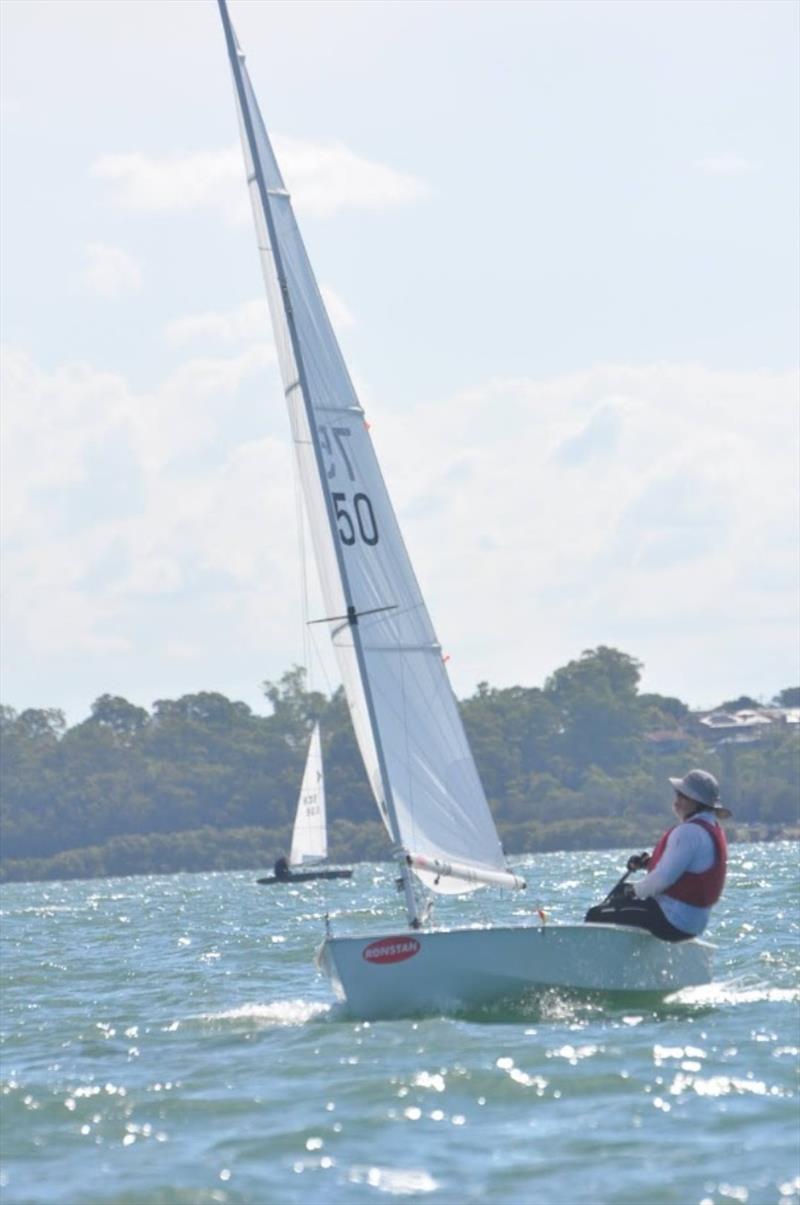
[391, 949]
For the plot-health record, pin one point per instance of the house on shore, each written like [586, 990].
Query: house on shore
[741, 727]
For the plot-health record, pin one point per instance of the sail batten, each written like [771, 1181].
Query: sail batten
[403, 710]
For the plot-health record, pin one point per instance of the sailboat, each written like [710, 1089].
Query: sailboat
[310, 833]
[404, 712]
[309, 845]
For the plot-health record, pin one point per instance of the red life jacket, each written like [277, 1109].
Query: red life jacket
[700, 888]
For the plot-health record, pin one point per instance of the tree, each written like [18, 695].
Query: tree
[8, 719]
[47, 724]
[743, 703]
[206, 707]
[125, 721]
[598, 707]
[790, 697]
[663, 709]
[295, 708]
[348, 791]
[204, 783]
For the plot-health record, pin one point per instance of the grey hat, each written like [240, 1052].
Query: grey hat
[701, 787]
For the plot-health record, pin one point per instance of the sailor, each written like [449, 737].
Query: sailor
[281, 868]
[685, 872]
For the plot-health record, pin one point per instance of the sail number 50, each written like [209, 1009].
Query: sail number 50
[355, 517]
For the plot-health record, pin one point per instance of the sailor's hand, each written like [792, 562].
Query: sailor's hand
[638, 861]
[622, 892]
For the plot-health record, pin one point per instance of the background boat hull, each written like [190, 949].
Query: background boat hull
[456, 969]
[304, 876]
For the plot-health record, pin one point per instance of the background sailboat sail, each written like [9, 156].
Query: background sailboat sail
[310, 833]
[402, 706]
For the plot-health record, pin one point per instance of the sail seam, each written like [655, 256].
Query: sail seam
[351, 409]
[404, 648]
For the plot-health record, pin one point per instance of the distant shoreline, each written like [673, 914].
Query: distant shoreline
[84, 864]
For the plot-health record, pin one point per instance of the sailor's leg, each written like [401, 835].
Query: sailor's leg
[640, 914]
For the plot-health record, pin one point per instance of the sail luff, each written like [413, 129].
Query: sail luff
[235, 58]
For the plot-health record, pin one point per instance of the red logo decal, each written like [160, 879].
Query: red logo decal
[391, 949]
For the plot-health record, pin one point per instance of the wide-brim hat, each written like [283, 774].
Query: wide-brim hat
[702, 788]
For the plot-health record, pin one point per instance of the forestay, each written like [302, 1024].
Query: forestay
[310, 833]
[405, 715]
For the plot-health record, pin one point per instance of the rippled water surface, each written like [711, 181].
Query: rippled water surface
[168, 1040]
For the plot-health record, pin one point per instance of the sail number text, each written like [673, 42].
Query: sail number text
[354, 514]
[355, 517]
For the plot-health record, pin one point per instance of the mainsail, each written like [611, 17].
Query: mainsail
[310, 833]
[403, 709]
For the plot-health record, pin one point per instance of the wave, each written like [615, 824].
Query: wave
[277, 1012]
[732, 992]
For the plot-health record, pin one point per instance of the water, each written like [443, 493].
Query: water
[168, 1040]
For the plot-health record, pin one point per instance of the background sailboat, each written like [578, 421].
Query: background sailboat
[404, 713]
[309, 846]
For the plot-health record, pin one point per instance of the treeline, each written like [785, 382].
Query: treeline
[201, 783]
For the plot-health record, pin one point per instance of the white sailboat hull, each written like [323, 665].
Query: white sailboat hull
[450, 970]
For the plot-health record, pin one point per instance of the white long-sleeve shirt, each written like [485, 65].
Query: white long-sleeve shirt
[689, 847]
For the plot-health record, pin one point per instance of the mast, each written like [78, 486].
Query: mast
[236, 58]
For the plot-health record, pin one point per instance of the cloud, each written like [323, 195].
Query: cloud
[651, 507]
[111, 271]
[727, 165]
[247, 323]
[596, 437]
[327, 177]
[205, 179]
[108, 580]
[323, 178]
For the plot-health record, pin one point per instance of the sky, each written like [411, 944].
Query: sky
[559, 245]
